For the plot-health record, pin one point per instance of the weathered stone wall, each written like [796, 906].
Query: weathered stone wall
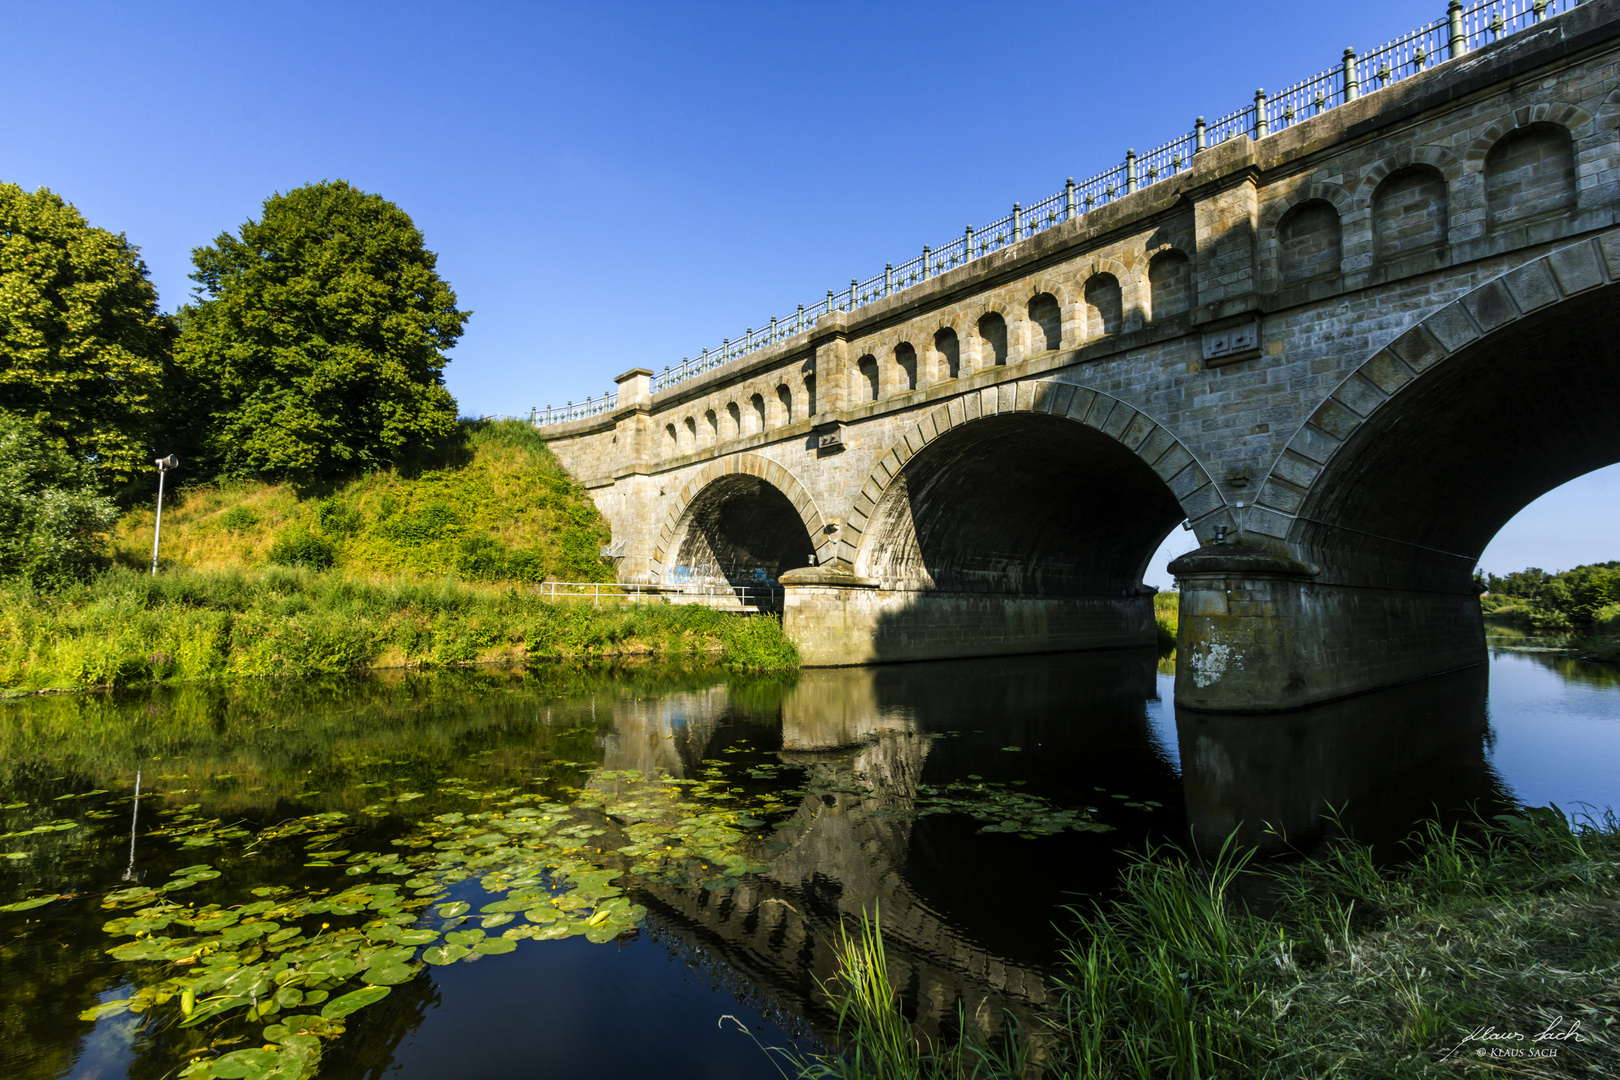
[1232, 326]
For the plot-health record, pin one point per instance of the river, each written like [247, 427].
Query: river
[599, 866]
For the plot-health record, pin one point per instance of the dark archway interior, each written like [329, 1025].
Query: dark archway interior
[1029, 504]
[742, 531]
[1419, 490]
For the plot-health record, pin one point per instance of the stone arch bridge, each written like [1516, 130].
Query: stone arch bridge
[1344, 354]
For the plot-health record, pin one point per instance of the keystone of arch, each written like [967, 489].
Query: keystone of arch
[746, 465]
[1166, 455]
[1497, 303]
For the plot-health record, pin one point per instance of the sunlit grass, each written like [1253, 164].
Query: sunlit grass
[1347, 966]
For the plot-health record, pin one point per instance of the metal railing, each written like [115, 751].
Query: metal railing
[1461, 29]
[596, 591]
[755, 596]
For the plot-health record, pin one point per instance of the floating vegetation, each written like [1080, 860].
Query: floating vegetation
[250, 972]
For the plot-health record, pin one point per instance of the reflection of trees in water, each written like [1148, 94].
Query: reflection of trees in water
[1575, 670]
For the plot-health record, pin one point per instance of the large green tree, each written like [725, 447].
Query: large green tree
[82, 343]
[316, 346]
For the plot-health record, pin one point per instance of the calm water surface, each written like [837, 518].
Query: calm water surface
[690, 841]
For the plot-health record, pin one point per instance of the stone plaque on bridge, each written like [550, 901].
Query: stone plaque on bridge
[1231, 344]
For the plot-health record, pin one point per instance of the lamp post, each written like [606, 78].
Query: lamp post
[164, 464]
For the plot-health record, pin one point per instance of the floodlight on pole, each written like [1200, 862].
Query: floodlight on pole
[164, 464]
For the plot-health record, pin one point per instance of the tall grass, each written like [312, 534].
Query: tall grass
[127, 627]
[1348, 966]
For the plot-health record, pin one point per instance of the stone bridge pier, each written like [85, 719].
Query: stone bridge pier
[1343, 350]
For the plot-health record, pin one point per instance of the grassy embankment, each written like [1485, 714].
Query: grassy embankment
[431, 566]
[1356, 969]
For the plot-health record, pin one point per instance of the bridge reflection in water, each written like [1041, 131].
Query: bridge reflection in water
[969, 918]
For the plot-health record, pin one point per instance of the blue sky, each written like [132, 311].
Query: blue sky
[618, 184]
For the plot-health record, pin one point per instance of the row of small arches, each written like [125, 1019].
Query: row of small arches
[1529, 173]
[755, 414]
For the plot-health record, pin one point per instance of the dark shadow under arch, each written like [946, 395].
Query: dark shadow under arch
[739, 530]
[1419, 488]
[1020, 503]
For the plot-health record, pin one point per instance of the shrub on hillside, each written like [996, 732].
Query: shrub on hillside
[297, 546]
[52, 522]
[239, 519]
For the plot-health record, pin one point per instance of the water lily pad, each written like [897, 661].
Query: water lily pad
[390, 972]
[445, 954]
[245, 1064]
[348, 1003]
[450, 911]
[32, 902]
[417, 937]
[494, 946]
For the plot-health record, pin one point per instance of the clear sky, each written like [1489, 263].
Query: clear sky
[619, 184]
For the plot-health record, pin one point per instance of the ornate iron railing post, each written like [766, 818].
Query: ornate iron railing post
[925, 262]
[969, 256]
[1017, 223]
[1260, 113]
[888, 278]
[1351, 87]
[1459, 38]
[1130, 171]
[1068, 200]
[1199, 145]
[854, 284]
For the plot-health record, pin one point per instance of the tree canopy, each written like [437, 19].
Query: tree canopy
[82, 342]
[316, 345]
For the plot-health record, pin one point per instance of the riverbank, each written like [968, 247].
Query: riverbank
[125, 627]
[1495, 953]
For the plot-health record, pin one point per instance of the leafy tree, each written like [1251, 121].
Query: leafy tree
[82, 343]
[53, 523]
[316, 346]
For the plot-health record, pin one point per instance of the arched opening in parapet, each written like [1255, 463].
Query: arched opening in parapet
[739, 531]
[867, 366]
[1529, 173]
[1419, 488]
[1169, 284]
[1104, 306]
[1022, 503]
[784, 397]
[1409, 212]
[756, 413]
[1045, 323]
[993, 338]
[950, 353]
[1309, 242]
[905, 363]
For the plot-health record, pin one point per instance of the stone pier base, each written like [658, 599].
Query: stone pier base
[837, 619]
[1261, 633]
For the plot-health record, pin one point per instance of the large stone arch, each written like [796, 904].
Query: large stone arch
[1458, 389]
[730, 476]
[1192, 496]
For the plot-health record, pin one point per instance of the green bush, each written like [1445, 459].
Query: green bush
[239, 519]
[52, 521]
[297, 546]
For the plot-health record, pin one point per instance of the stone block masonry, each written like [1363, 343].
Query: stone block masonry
[1359, 344]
